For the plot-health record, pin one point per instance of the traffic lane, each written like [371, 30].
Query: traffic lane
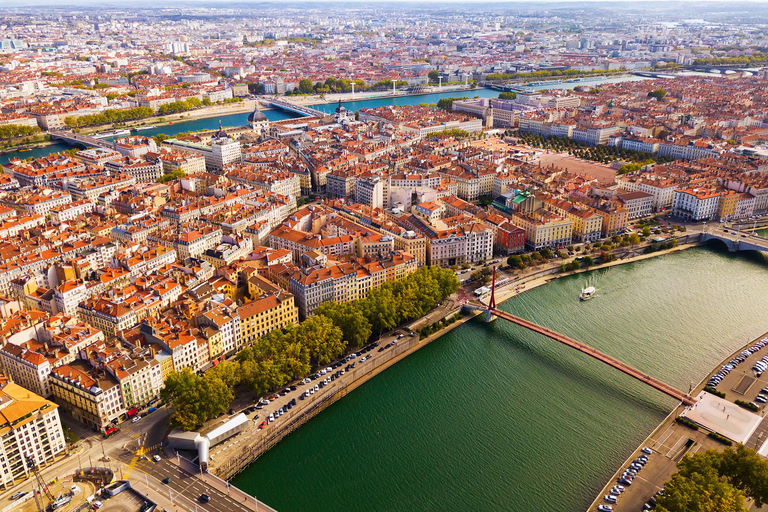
[185, 488]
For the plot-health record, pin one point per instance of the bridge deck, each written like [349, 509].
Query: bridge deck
[605, 358]
[76, 138]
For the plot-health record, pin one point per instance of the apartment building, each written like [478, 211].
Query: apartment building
[92, 397]
[30, 430]
[262, 315]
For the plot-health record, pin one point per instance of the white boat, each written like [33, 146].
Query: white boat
[115, 133]
[587, 293]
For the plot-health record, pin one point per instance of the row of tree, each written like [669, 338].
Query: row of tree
[717, 481]
[554, 73]
[12, 131]
[283, 356]
[182, 106]
[743, 60]
[109, 116]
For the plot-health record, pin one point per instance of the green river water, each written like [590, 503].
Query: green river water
[497, 418]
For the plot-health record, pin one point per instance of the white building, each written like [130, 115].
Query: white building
[31, 433]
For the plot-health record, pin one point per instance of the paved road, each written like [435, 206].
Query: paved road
[184, 489]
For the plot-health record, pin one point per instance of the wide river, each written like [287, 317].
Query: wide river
[277, 115]
[496, 418]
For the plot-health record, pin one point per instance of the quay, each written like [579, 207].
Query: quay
[671, 441]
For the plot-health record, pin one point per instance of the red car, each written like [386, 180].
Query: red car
[263, 424]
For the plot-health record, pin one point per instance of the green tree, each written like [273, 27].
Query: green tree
[350, 319]
[305, 86]
[633, 238]
[160, 137]
[700, 492]
[447, 103]
[658, 94]
[434, 76]
[507, 95]
[646, 231]
[516, 261]
[323, 340]
[182, 392]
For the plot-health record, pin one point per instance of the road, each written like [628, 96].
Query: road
[184, 489]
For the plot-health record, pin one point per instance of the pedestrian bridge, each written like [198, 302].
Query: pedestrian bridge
[738, 242]
[491, 311]
[76, 138]
[296, 109]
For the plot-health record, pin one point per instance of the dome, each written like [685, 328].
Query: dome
[340, 109]
[256, 116]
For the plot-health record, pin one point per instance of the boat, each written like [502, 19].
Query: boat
[142, 128]
[587, 293]
[22, 150]
[115, 133]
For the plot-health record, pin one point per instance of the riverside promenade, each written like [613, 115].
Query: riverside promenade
[237, 453]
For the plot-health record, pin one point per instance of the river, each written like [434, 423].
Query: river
[496, 418]
[277, 115]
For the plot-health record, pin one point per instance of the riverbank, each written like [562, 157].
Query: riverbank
[228, 460]
[327, 99]
[665, 443]
[191, 115]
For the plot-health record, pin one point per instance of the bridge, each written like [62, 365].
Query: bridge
[296, 109]
[736, 241]
[76, 138]
[491, 310]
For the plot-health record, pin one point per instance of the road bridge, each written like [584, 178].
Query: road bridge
[76, 138]
[296, 109]
[734, 240]
[492, 311]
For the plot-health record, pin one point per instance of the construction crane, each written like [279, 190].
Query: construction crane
[32, 465]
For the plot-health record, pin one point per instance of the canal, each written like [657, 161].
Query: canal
[494, 417]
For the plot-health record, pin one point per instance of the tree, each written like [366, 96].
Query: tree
[646, 231]
[10, 131]
[434, 76]
[704, 492]
[160, 137]
[182, 391]
[547, 253]
[658, 94]
[350, 319]
[447, 103]
[633, 239]
[323, 340]
[508, 95]
[305, 86]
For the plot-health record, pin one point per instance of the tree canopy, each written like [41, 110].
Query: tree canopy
[717, 481]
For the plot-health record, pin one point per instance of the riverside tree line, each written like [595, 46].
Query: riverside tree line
[283, 356]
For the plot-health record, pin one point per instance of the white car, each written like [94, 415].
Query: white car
[135, 418]
[156, 458]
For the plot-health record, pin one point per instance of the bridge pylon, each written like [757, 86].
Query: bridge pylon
[489, 317]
